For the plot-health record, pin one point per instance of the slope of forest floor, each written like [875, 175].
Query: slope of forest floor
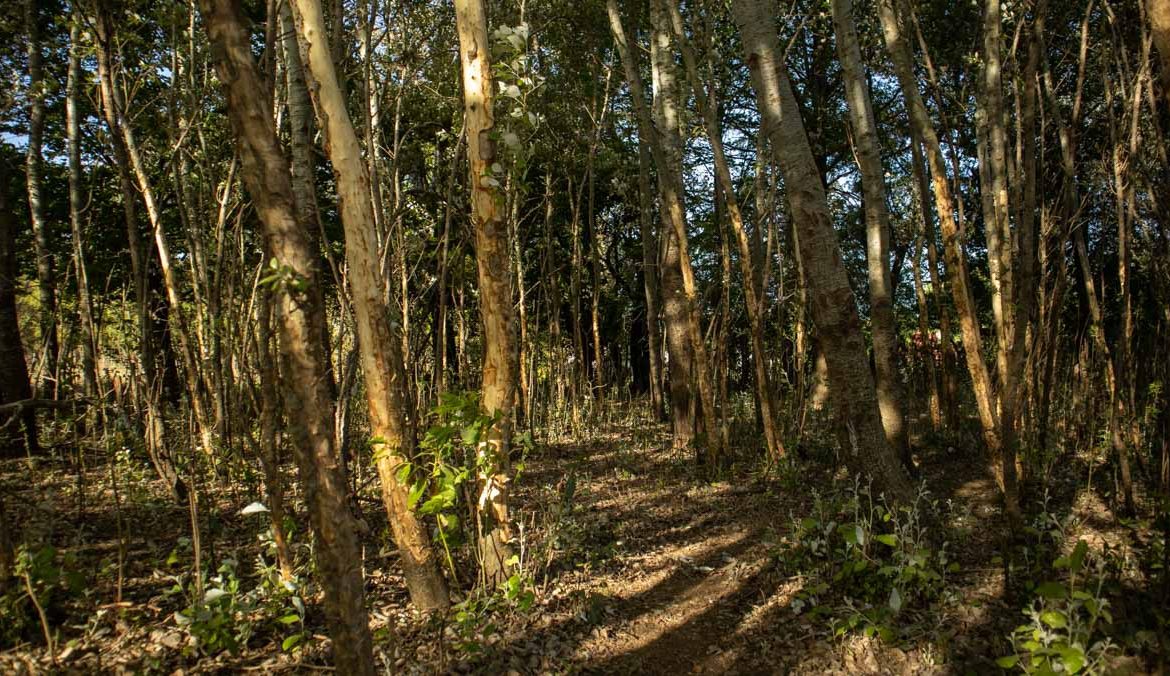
[636, 564]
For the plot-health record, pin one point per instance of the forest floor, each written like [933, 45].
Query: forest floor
[637, 565]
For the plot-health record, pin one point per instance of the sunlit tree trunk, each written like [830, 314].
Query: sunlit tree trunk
[89, 341]
[381, 359]
[834, 307]
[669, 164]
[495, 287]
[752, 281]
[307, 399]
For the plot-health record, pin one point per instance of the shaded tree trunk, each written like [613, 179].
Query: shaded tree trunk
[834, 307]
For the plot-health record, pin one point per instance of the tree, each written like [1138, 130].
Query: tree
[392, 437]
[833, 306]
[495, 287]
[300, 305]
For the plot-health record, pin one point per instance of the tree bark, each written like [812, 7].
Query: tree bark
[381, 358]
[46, 274]
[15, 384]
[957, 276]
[877, 230]
[834, 306]
[308, 400]
[495, 287]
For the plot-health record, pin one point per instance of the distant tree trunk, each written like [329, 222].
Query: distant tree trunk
[877, 229]
[650, 276]
[752, 281]
[148, 337]
[834, 306]
[270, 421]
[309, 406]
[1003, 463]
[495, 287]
[14, 379]
[381, 357]
[46, 275]
[89, 369]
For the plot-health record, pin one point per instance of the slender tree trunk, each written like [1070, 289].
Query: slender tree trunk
[834, 306]
[957, 277]
[382, 362]
[149, 337]
[89, 341]
[270, 420]
[877, 229]
[46, 275]
[752, 281]
[650, 275]
[308, 399]
[495, 287]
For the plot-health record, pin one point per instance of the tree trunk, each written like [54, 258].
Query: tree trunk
[46, 275]
[15, 384]
[308, 400]
[877, 230]
[833, 303]
[382, 362]
[956, 265]
[649, 239]
[752, 281]
[495, 287]
[89, 339]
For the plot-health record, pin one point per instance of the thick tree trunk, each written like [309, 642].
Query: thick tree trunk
[46, 274]
[834, 307]
[15, 384]
[495, 287]
[877, 230]
[382, 362]
[308, 400]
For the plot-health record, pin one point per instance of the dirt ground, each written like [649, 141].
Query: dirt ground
[653, 571]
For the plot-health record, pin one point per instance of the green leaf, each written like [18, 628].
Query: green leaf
[895, 600]
[1054, 619]
[1073, 659]
[1008, 661]
[291, 618]
[292, 642]
[1078, 556]
[888, 540]
[1052, 590]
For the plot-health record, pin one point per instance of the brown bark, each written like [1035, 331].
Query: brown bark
[15, 384]
[46, 274]
[381, 358]
[957, 275]
[877, 229]
[752, 281]
[833, 303]
[495, 286]
[308, 400]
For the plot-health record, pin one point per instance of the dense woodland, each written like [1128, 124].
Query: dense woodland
[622, 336]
